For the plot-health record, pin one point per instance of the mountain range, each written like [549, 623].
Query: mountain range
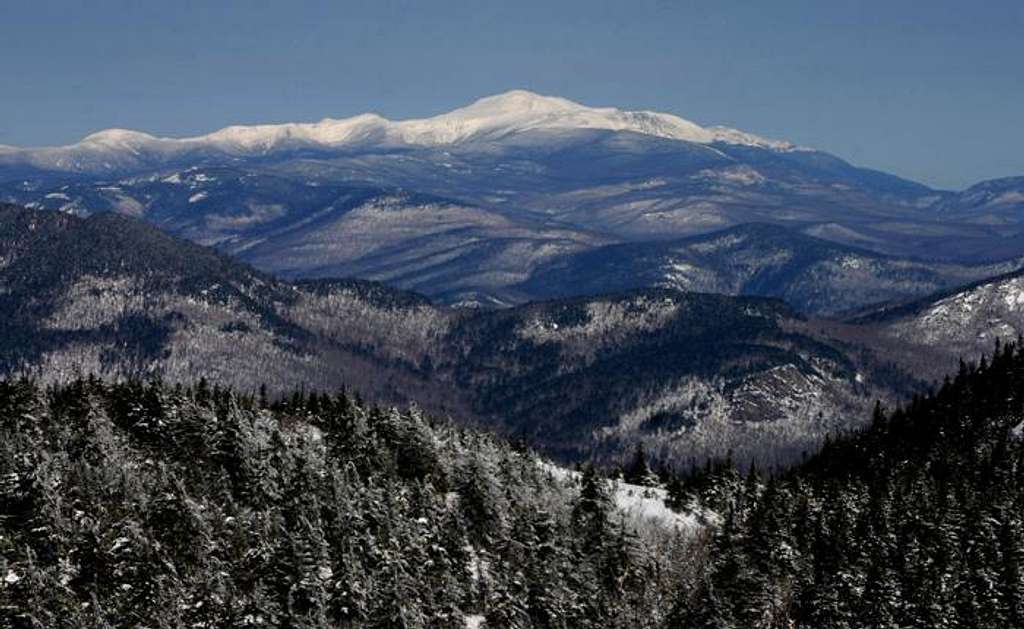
[466, 206]
[814, 275]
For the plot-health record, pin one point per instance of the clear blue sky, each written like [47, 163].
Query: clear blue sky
[929, 90]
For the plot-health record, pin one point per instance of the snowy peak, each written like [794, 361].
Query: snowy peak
[519, 111]
[489, 119]
[494, 116]
[517, 102]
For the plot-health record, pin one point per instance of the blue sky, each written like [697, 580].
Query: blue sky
[930, 90]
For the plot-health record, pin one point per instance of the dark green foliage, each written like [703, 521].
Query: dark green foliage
[638, 472]
[126, 505]
[914, 521]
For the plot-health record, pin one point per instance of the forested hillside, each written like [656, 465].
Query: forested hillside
[914, 522]
[143, 505]
[686, 374]
[931, 333]
[111, 296]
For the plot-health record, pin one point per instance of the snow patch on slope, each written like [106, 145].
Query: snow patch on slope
[640, 505]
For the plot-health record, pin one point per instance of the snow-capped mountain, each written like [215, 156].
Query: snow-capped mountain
[493, 118]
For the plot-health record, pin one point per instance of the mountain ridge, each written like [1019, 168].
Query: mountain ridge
[491, 117]
[816, 276]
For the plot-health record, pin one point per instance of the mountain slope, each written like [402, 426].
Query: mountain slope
[686, 374]
[306, 219]
[813, 275]
[111, 296]
[913, 522]
[964, 322]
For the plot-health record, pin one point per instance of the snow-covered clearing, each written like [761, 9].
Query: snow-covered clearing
[642, 505]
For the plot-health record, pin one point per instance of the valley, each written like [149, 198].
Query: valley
[690, 375]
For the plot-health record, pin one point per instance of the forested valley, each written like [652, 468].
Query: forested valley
[688, 375]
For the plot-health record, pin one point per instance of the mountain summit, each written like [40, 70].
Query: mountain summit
[520, 110]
